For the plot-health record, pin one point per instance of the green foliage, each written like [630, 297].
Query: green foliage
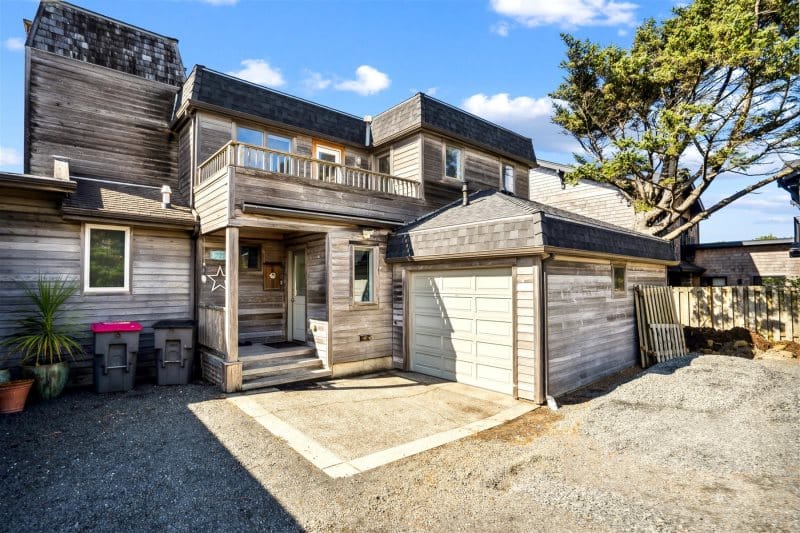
[107, 258]
[713, 89]
[767, 237]
[44, 334]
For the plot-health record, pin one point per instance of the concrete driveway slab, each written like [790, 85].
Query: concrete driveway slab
[350, 425]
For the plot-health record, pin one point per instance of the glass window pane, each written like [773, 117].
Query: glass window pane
[363, 290]
[106, 258]
[248, 136]
[452, 164]
[508, 178]
[619, 278]
[279, 143]
[299, 273]
[383, 165]
[279, 163]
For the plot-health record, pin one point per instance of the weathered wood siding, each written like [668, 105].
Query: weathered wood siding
[590, 199]
[212, 133]
[394, 121]
[257, 186]
[740, 265]
[482, 170]
[527, 278]
[405, 157]
[185, 167]
[213, 202]
[262, 313]
[36, 240]
[109, 124]
[349, 320]
[590, 332]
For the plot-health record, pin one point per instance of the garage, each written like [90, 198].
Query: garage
[462, 326]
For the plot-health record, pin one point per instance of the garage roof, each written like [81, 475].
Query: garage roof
[497, 222]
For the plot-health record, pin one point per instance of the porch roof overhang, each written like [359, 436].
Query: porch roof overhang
[263, 209]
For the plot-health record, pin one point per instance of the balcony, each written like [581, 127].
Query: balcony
[305, 168]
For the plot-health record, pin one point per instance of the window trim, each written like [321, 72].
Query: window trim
[503, 166]
[373, 248]
[461, 161]
[619, 293]
[87, 249]
[387, 154]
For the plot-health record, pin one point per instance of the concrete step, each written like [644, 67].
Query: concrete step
[300, 351]
[282, 379]
[272, 368]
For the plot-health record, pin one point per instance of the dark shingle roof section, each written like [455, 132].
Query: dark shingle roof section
[448, 119]
[231, 93]
[126, 202]
[77, 33]
[535, 224]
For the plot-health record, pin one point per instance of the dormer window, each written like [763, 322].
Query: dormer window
[453, 162]
[384, 164]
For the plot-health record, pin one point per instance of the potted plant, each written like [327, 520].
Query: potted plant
[14, 394]
[45, 336]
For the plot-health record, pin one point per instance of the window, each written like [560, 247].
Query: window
[249, 257]
[618, 273]
[384, 166]
[713, 281]
[453, 166]
[277, 162]
[508, 178]
[106, 266]
[363, 274]
[331, 157]
[250, 157]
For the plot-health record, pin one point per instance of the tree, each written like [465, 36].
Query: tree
[710, 92]
[767, 237]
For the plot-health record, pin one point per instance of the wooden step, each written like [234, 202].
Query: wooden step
[300, 351]
[282, 379]
[282, 367]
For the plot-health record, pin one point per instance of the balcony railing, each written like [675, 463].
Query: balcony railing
[288, 164]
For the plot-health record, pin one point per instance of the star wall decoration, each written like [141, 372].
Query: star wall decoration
[218, 279]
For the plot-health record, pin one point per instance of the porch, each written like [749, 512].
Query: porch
[262, 307]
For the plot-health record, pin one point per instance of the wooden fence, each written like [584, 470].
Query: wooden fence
[772, 312]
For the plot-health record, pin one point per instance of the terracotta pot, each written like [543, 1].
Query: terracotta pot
[50, 379]
[13, 395]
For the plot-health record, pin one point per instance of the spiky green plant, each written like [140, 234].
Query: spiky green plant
[45, 336]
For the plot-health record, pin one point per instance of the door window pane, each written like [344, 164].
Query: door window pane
[250, 157]
[328, 155]
[452, 163]
[277, 162]
[299, 273]
[383, 164]
[363, 274]
[508, 178]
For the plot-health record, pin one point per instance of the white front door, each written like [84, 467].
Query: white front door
[462, 326]
[297, 295]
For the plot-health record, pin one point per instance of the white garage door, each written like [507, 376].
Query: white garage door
[461, 326]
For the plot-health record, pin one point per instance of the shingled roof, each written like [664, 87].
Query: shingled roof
[77, 33]
[125, 201]
[224, 91]
[495, 221]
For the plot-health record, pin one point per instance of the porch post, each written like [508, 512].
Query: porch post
[232, 379]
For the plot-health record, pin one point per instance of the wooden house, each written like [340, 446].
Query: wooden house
[305, 242]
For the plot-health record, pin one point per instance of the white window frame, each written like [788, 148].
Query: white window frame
[503, 176]
[460, 169]
[87, 249]
[322, 149]
[373, 271]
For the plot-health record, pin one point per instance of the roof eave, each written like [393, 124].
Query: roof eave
[36, 183]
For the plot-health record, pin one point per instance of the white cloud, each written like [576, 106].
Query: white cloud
[622, 32]
[315, 81]
[14, 43]
[369, 80]
[526, 115]
[221, 2]
[260, 72]
[9, 157]
[501, 29]
[431, 91]
[567, 13]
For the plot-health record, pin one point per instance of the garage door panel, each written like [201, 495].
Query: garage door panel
[462, 326]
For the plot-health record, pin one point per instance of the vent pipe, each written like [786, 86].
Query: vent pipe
[464, 195]
[368, 122]
[166, 193]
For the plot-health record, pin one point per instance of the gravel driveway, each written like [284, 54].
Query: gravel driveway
[703, 443]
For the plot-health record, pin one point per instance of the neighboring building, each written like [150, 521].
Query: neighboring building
[605, 202]
[757, 262]
[272, 220]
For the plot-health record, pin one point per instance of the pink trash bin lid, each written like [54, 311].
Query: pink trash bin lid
[114, 327]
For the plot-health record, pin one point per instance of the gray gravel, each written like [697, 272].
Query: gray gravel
[699, 444]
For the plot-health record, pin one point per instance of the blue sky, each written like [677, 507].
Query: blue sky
[496, 58]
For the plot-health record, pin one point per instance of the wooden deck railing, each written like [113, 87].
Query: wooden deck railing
[211, 327]
[288, 164]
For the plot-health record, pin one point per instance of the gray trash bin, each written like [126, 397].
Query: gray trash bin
[174, 351]
[116, 345]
